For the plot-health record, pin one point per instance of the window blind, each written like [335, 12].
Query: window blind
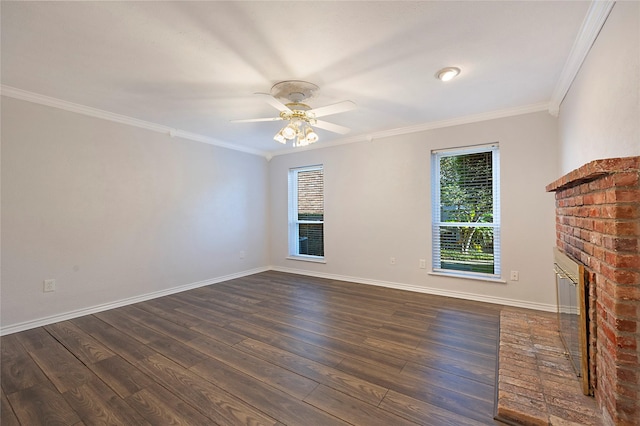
[466, 211]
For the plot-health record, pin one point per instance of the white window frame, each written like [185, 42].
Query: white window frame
[436, 211]
[294, 223]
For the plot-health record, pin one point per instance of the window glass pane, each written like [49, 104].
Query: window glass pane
[310, 195]
[466, 193]
[311, 239]
[466, 248]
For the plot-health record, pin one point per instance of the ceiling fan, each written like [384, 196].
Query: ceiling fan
[288, 97]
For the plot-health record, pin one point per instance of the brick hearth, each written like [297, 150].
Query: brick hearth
[537, 385]
[598, 224]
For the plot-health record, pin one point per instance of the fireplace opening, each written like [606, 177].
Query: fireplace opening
[572, 314]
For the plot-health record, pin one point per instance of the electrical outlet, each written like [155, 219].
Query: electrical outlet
[515, 276]
[392, 260]
[49, 285]
[422, 264]
[242, 254]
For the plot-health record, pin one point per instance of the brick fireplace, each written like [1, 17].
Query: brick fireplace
[598, 225]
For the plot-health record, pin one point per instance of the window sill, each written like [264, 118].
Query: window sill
[307, 259]
[468, 277]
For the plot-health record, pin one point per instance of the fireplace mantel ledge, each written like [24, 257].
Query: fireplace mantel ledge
[594, 170]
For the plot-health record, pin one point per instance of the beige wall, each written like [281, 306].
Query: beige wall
[377, 206]
[600, 116]
[115, 212]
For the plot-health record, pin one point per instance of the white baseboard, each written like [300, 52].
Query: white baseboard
[14, 328]
[427, 290]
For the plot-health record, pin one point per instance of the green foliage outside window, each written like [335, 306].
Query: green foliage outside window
[466, 197]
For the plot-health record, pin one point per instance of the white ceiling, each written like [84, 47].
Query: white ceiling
[194, 66]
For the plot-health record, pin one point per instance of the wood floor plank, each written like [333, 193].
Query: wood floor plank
[7, 416]
[211, 398]
[424, 413]
[321, 373]
[202, 309]
[216, 332]
[280, 378]
[161, 407]
[42, 405]
[226, 305]
[159, 324]
[121, 376]
[397, 335]
[63, 369]
[213, 308]
[165, 308]
[267, 399]
[307, 350]
[352, 410]
[296, 322]
[446, 398]
[218, 293]
[96, 403]
[271, 348]
[462, 363]
[467, 364]
[118, 341]
[343, 320]
[19, 371]
[443, 379]
[123, 322]
[34, 339]
[83, 346]
[479, 342]
[177, 351]
[342, 347]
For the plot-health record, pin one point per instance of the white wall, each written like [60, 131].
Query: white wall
[377, 205]
[600, 116]
[115, 212]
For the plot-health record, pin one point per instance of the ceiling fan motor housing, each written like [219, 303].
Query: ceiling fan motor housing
[294, 91]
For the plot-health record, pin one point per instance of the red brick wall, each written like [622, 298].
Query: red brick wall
[598, 224]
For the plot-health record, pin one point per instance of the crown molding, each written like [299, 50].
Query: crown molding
[24, 95]
[492, 115]
[591, 26]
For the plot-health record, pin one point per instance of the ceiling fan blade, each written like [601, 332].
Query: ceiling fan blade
[253, 120]
[332, 127]
[333, 108]
[275, 103]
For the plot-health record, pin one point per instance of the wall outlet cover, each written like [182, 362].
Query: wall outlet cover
[49, 285]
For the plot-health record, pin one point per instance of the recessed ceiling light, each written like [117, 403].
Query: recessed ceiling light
[446, 74]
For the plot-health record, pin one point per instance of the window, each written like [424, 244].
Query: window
[306, 212]
[466, 211]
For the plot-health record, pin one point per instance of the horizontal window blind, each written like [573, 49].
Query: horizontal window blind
[466, 211]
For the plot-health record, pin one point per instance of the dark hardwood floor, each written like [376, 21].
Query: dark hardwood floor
[271, 348]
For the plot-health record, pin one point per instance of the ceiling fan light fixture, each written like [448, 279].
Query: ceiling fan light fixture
[289, 131]
[310, 135]
[302, 141]
[279, 137]
[447, 74]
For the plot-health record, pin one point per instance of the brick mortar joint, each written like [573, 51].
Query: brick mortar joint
[585, 190]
